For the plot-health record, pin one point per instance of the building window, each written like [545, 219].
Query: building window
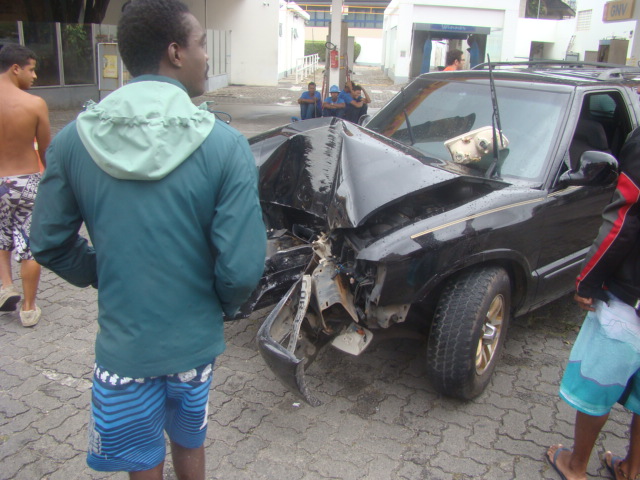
[43, 40]
[358, 17]
[64, 51]
[583, 20]
[364, 20]
[77, 58]
[319, 19]
[9, 33]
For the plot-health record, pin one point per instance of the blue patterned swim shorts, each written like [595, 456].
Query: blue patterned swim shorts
[129, 417]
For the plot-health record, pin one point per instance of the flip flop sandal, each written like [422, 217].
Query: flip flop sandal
[555, 459]
[614, 467]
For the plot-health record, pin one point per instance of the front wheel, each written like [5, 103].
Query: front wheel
[468, 331]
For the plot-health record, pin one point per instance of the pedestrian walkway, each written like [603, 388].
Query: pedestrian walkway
[380, 88]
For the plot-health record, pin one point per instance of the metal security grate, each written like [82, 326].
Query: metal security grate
[583, 20]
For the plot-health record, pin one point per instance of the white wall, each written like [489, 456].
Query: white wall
[254, 34]
[291, 31]
[254, 38]
[511, 36]
[556, 33]
[598, 30]
[499, 15]
[371, 51]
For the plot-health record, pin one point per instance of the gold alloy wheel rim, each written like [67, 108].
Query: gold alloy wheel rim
[488, 343]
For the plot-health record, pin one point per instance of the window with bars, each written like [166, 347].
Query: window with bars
[583, 20]
[358, 20]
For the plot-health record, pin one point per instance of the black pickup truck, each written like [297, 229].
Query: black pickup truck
[471, 197]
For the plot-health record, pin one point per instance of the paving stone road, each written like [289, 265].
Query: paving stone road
[379, 418]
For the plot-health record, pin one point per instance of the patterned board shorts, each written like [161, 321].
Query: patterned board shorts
[604, 364]
[129, 417]
[17, 196]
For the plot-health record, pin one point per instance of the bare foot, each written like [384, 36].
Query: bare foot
[559, 457]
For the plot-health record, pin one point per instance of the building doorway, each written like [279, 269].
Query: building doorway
[431, 41]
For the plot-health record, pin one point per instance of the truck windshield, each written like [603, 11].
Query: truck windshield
[441, 110]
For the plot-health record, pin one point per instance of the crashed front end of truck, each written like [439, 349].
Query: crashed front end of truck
[335, 197]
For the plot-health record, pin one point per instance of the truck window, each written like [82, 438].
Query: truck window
[603, 125]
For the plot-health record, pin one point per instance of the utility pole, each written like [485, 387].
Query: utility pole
[336, 39]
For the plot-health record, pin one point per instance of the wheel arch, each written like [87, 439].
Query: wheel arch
[516, 266]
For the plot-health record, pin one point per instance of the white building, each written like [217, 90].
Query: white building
[252, 42]
[412, 27]
[364, 19]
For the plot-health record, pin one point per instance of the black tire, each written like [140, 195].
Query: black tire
[460, 361]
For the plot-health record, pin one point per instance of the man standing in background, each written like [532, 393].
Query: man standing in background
[23, 119]
[454, 60]
[169, 198]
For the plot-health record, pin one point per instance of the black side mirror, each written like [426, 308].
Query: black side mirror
[594, 169]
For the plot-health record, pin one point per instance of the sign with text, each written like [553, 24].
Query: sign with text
[618, 10]
[439, 27]
[110, 66]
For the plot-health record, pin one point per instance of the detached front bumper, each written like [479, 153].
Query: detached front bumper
[282, 326]
[293, 333]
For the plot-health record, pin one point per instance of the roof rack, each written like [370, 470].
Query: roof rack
[594, 70]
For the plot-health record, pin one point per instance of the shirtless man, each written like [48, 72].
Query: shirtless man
[23, 118]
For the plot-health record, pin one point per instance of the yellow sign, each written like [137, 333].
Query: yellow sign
[618, 10]
[110, 66]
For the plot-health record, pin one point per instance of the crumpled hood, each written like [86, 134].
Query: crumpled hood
[340, 172]
[143, 130]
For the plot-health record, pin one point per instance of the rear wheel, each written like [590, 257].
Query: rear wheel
[468, 331]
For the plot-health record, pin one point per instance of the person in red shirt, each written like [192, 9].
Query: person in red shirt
[604, 364]
[454, 60]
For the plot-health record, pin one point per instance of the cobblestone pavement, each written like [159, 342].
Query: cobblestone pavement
[379, 419]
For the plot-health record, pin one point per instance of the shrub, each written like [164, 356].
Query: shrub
[356, 51]
[312, 47]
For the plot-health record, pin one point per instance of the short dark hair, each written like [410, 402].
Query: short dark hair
[146, 29]
[356, 87]
[453, 55]
[14, 54]
[311, 83]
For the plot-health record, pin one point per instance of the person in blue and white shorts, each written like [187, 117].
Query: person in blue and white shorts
[604, 364]
[169, 197]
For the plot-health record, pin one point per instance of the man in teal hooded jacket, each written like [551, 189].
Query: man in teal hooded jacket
[169, 198]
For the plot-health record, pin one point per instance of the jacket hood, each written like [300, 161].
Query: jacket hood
[143, 130]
